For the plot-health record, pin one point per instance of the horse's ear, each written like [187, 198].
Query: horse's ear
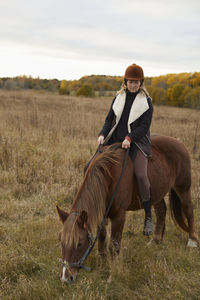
[62, 214]
[83, 218]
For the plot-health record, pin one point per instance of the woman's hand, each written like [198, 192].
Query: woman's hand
[126, 144]
[100, 140]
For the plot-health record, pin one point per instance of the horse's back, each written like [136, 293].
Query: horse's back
[175, 155]
[169, 146]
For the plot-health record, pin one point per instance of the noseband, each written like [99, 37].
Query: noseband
[91, 239]
[79, 264]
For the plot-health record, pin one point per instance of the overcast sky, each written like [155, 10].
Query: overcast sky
[68, 39]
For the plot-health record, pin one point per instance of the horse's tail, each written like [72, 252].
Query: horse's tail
[176, 210]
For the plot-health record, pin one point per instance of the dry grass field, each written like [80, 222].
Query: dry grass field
[45, 141]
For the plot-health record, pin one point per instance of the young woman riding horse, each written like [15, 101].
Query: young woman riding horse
[128, 121]
[169, 170]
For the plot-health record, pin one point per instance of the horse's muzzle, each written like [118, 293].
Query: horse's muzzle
[68, 278]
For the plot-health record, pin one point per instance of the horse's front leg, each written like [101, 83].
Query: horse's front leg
[117, 225]
[102, 242]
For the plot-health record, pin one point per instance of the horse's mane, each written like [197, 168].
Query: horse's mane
[92, 194]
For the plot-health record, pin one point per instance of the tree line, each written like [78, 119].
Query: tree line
[182, 90]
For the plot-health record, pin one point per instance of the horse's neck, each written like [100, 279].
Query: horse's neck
[93, 193]
[91, 202]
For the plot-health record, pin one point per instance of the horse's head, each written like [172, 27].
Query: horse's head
[75, 240]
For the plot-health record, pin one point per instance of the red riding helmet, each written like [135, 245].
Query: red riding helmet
[134, 72]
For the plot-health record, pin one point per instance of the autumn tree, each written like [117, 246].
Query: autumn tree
[175, 95]
[85, 90]
[192, 98]
[159, 96]
[64, 88]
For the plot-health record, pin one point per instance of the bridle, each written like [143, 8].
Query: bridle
[79, 264]
[91, 239]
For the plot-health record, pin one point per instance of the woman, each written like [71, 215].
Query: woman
[128, 121]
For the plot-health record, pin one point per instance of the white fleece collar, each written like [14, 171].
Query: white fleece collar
[139, 106]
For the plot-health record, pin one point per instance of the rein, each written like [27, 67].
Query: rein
[91, 239]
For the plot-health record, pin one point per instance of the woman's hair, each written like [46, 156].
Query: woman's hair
[141, 90]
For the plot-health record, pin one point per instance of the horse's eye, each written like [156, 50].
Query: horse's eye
[79, 245]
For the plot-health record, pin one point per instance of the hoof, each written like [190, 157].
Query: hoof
[148, 226]
[192, 244]
[147, 233]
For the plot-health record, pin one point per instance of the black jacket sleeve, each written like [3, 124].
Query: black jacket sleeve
[143, 125]
[108, 121]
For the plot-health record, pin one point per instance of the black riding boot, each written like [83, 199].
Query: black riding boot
[148, 223]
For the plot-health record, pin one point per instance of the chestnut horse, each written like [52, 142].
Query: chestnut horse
[168, 171]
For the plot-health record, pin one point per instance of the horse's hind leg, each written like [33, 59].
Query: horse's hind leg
[160, 211]
[187, 208]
